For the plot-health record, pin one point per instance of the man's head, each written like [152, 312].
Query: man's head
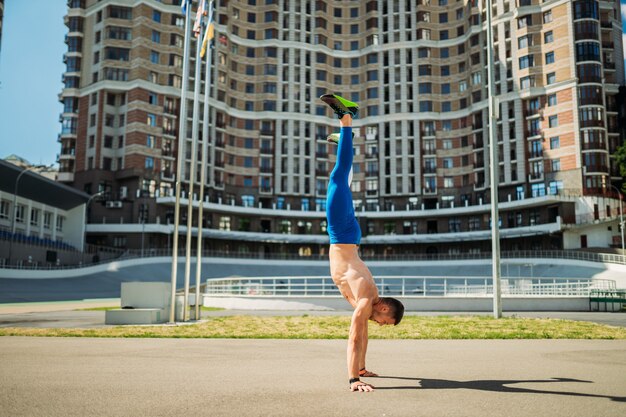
[387, 311]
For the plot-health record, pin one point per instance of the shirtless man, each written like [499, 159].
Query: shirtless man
[352, 277]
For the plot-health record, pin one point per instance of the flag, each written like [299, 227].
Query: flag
[210, 32]
[197, 26]
[184, 5]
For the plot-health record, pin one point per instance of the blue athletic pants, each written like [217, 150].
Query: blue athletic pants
[342, 224]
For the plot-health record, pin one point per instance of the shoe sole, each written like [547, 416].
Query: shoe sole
[334, 138]
[340, 105]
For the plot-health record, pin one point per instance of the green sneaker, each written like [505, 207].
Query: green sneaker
[340, 105]
[334, 138]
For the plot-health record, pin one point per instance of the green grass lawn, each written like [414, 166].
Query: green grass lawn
[333, 327]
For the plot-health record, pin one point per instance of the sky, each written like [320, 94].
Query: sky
[31, 66]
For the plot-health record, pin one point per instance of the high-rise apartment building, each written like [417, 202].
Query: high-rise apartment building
[418, 69]
[1, 18]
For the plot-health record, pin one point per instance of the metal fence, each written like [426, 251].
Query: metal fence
[407, 286]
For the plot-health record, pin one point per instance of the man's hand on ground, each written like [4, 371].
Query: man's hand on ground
[361, 387]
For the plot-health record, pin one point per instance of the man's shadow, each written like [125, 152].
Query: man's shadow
[494, 386]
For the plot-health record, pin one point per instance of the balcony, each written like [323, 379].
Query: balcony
[535, 176]
[599, 168]
[266, 170]
[266, 150]
[65, 177]
[430, 170]
[606, 25]
[371, 173]
[535, 154]
[170, 109]
[67, 153]
[594, 145]
[429, 151]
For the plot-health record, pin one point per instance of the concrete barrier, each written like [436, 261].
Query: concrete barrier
[142, 303]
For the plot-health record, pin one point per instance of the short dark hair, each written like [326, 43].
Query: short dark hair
[396, 308]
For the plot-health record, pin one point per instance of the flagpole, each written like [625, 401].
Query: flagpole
[192, 174]
[205, 144]
[182, 134]
[494, 162]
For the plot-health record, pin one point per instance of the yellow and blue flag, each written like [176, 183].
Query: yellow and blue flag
[209, 33]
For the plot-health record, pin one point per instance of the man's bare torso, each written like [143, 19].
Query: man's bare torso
[350, 274]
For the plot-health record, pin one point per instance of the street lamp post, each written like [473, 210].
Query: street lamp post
[621, 215]
[87, 218]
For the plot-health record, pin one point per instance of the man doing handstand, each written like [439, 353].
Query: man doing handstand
[352, 277]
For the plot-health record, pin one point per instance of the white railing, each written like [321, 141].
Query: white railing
[406, 286]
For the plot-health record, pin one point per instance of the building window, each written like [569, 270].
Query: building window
[150, 141]
[154, 57]
[285, 227]
[4, 209]
[556, 165]
[60, 221]
[551, 78]
[524, 41]
[550, 58]
[448, 182]
[547, 16]
[552, 100]
[47, 220]
[555, 142]
[525, 21]
[526, 61]
[527, 82]
[247, 200]
[548, 37]
[553, 121]
[152, 120]
[156, 16]
[224, 223]
[454, 225]
[156, 36]
[149, 163]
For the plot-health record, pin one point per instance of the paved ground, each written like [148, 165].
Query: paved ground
[173, 377]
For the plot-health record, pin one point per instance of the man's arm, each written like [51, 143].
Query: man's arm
[356, 345]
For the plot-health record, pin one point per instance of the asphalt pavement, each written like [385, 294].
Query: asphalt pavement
[176, 377]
